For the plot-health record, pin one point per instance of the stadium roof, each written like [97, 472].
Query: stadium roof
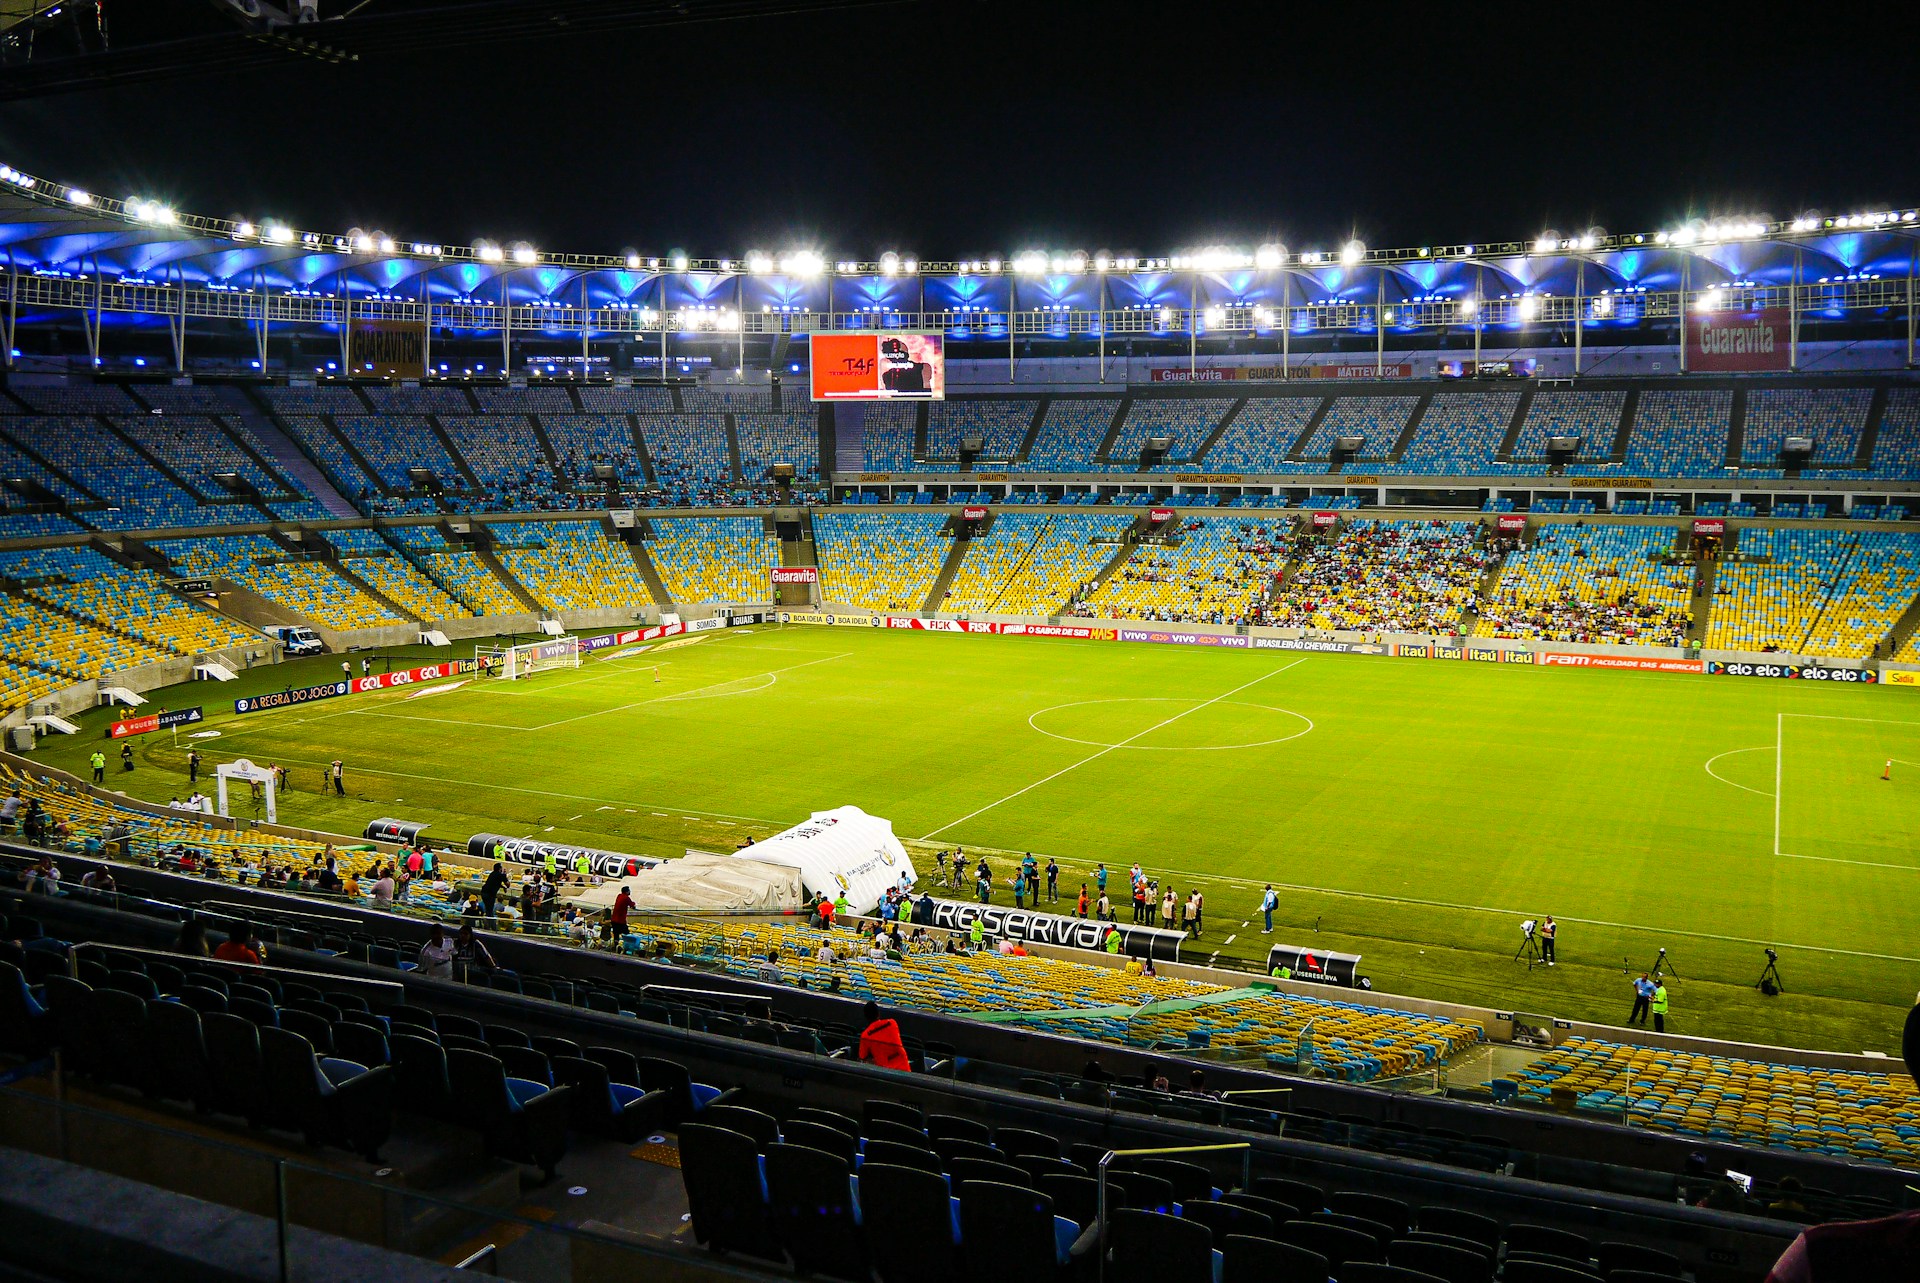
[51, 229]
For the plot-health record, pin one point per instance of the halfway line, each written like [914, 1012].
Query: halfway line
[1108, 749]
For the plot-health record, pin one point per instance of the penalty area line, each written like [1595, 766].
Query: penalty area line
[1065, 770]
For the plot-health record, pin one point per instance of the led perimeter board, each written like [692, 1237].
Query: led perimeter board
[879, 367]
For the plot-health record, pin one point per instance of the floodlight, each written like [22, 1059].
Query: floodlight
[679, 262]
[758, 262]
[633, 262]
[1529, 307]
[386, 245]
[489, 253]
[889, 263]
[1469, 306]
[75, 196]
[1268, 257]
[525, 256]
[362, 242]
[1546, 243]
[803, 263]
[244, 231]
[1032, 263]
[1352, 252]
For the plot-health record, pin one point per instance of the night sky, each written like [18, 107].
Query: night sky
[959, 130]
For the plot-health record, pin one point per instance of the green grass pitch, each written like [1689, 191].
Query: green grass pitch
[1412, 811]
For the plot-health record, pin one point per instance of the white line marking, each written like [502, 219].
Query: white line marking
[444, 721]
[771, 681]
[1729, 753]
[1110, 748]
[1779, 756]
[621, 708]
[570, 797]
[1167, 748]
[1831, 717]
[1841, 859]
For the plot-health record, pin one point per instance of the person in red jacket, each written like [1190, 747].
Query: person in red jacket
[881, 1044]
[621, 905]
[1880, 1249]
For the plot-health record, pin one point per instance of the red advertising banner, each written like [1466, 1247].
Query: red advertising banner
[1510, 521]
[1183, 374]
[1324, 519]
[1709, 526]
[1634, 663]
[1160, 514]
[796, 574]
[1739, 340]
[431, 672]
[973, 514]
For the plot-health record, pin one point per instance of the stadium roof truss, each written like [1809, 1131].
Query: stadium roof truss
[63, 250]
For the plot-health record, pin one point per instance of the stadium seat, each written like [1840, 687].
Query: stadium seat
[518, 1119]
[329, 1101]
[727, 1192]
[910, 1223]
[1246, 1259]
[810, 1201]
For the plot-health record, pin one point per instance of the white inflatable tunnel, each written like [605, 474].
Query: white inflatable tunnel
[844, 851]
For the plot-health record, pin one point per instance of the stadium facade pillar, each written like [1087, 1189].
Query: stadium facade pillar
[586, 364]
[178, 324]
[1101, 322]
[13, 312]
[1579, 311]
[426, 327]
[1193, 326]
[1286, 329]
[1379, 323]
[346, 326]
[1479, 294]
[260, 330]
[1793, 315]
[506, 327]
[1684, 263]
[740, 321]
[1913, 269]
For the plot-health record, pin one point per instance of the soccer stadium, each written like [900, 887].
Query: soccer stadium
[1265, 763]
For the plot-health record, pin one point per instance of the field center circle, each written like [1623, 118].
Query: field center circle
[1191, 705]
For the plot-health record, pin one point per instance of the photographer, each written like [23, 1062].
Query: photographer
[1547, 930]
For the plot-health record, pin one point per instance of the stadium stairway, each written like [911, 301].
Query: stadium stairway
[1122, 554]
[1033, 430]
[1207, 442]
[1503, 453]
[1114, 429]
[292, 463]
[1708, 576]
[361, 585]
[1312, 425]
[1737, 430]
[498, 569]
[956, 553]
[1629, 411]
[1903, 628]
[1405, 439]
[1870, 430]
[467, 478]
[733, 452]
[649, 573]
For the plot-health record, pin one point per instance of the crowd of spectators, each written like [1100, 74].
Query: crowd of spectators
[1385, 576]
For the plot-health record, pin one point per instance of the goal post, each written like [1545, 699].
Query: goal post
[515, 662]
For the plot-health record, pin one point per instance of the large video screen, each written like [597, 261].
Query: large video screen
[879, 367]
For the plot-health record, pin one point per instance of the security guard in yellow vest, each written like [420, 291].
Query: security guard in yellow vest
[1660, 1006]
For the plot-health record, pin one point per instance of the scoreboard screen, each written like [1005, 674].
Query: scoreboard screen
[879, 367]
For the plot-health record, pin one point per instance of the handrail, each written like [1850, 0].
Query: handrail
[1106, 1160]
[489, 1255]
[330, 977]
[254, 910]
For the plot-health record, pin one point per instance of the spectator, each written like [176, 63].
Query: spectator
[470, 950]
[436, 955]
[769, 971]
[881, 1043]
[241, 945]
[192, 939]
[622, 905]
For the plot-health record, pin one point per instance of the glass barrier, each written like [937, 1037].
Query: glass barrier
[306, 1201]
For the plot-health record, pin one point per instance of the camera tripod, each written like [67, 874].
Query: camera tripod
[1771, 973]
[1664, 964]
[1528, 949]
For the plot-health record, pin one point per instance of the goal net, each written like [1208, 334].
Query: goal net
[515, 662]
